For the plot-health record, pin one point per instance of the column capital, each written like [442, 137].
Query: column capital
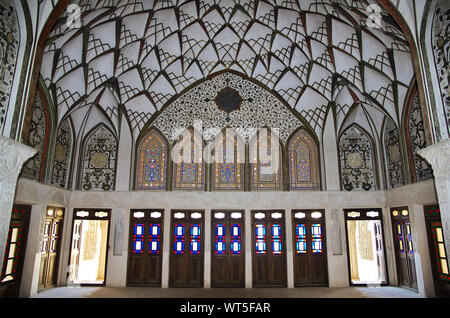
[438, 155]
[12, 157]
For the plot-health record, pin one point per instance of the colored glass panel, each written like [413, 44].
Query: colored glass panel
[138, 238]
[178, 247]
[276, 239]
[316, 238]
[195, 239]
[220, 239]
[260, 234]
[154, 238]
[409, 238]
[300, 233]
[152, 160]
[235, 239]
[439, 249]
[400, 237]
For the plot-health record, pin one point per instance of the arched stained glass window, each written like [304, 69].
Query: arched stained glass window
[152, 162]
[228, 164]
[303, 162]
[265, 161]
[188, 166]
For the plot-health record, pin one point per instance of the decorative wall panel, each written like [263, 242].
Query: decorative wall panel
[356, 161]
[441, 49]
[421, 170]
[393, 155]
[9, 47]
[152, 159]
[63, 155]
[303, 162]
[99, 160]
[37, 138]
[258, 108]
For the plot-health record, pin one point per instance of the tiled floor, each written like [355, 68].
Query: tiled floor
[310, 292]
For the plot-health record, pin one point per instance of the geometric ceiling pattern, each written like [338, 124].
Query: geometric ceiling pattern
[131, 57]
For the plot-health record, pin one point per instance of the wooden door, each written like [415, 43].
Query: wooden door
[186, 255]
[310, 257]
[438, 252]
[16, 244]
[50, 247]
[404, 251]
[227, 248]
[269, 248]
[145, 247]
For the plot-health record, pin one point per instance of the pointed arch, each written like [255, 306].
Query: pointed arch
[189, 169]
[98, 159]
[303, 161]
[357, 159]
[266, 158]
[229, 161]
[151, 162]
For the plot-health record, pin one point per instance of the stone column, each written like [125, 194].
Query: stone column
[438, 155]
[12, 157]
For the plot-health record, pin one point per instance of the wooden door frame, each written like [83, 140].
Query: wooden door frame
[59, 243]
[242, 255]
[268, 219]
[130, 244]
[91, 217]
[380, 218]
[309, 220]
[202, 242]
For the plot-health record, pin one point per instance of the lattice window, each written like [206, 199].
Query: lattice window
[265, 161]
[152, 162]
[303, 162]
[188, 166]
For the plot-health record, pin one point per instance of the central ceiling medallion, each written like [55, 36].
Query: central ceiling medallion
[228, 100]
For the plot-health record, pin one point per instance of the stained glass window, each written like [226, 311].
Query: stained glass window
[154, 238]
[265, 161]
[220, 239]
[303, 162]
[195, 239]
[188, 166]
[138, 238]
[260, 234]
[228, 162]
[409, 238]
[152, 162]
[13, 246]
[400, 237]
[178, 247]
[300, 238]
[235, 239]
[276, 239]
[316, 238]
[440, 254]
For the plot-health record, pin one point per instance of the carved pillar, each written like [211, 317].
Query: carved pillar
[12, 157]
[438, 155]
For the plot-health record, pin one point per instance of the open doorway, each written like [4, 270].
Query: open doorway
[89, 247]
[365, 247]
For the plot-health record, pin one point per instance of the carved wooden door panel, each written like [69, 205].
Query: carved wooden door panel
[269, 248]
[145, 248]
[310, 257]
[227, 249]
[50, 247]
[404, 251]
[187, 249]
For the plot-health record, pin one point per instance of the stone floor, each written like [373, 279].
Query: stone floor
[310, 292]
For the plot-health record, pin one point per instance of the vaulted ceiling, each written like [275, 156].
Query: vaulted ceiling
[132, 57]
